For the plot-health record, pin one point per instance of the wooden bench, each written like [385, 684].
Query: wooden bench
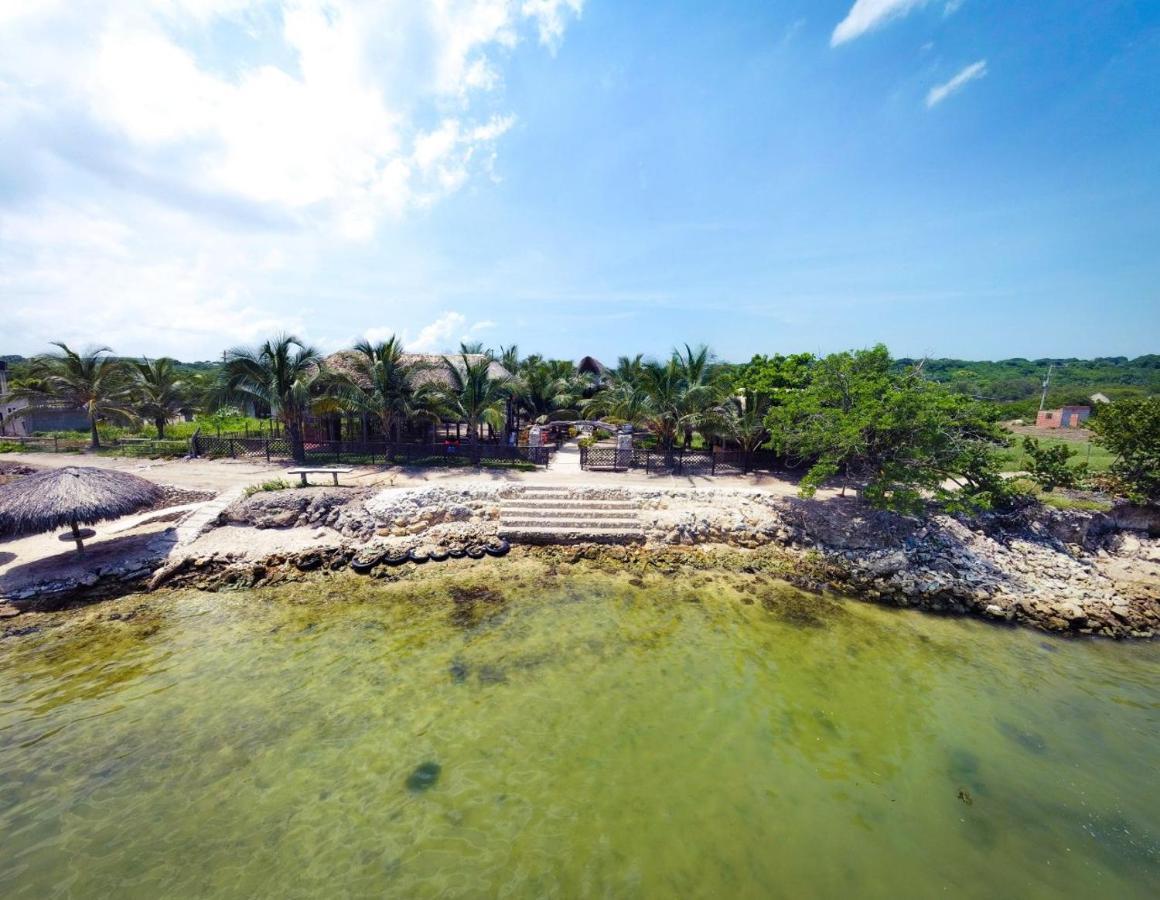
[321, 470]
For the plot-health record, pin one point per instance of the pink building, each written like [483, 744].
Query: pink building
[1064, 417]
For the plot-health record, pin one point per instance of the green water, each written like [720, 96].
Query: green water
[574, 736]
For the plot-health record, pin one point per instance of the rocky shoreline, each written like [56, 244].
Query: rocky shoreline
[1074, 573]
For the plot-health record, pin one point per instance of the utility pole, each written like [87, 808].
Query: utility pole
[1046, 382]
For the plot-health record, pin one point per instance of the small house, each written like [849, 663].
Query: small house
[1064, 417]
[49, 418]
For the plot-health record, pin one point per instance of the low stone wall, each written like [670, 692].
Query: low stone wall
[1079, 573]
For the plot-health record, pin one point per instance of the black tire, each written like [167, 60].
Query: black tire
[396, 559]
[439, 555]
[365, 564]
[418, 556]
[457, 553]
[476, 552]
[499, 549]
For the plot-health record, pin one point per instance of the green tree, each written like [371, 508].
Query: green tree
[543, 392]
[93, 380]
[385, 384]
[473, 395]
[1130, 428]
[283, 374]
[901, 438]
[1049, 465]
[774, 375]
[158, 392]
[745, 419]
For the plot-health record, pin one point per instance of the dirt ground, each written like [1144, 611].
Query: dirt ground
[1077, 435]
[227, 474]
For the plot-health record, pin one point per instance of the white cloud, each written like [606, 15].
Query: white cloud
[439, 336]
[866, 15]
[179, 160]
[550, 14]
[939, 93]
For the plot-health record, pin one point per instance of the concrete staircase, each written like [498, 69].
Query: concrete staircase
[562, 515]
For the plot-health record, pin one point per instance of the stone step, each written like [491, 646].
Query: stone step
[532, 522]
[559, 513]
[566, 503]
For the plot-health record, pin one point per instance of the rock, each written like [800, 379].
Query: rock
[424, 777]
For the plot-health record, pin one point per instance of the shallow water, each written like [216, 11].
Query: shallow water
[580, 736]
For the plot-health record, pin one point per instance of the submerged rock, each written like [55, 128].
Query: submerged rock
[424, 776]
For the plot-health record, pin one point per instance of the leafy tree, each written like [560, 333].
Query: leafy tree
[473, 395]
[1049, 465]
[159, 392]
[899, 436]
[93, 380]
[1131, 430]
[383, 384]
[283, 374]
[772, 376]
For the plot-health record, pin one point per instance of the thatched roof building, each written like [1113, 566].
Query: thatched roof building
[590, 365]
[429, 368]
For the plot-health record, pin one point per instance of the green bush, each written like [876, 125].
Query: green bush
[1130, 429]
[1049, 467]
[276, 484]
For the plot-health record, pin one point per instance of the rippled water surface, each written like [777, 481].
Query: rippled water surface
[575, 735]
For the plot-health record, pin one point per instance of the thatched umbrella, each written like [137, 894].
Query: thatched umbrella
[71, 496]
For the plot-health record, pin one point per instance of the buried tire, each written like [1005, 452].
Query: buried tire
[364, 564]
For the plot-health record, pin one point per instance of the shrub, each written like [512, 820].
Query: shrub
[1130, 429]
[276, 484]
[1049, 465]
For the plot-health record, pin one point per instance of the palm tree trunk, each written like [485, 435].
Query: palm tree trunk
[95, 435]
[160, 423]
[297, 448]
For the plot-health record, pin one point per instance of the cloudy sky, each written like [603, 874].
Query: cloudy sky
[971, 178]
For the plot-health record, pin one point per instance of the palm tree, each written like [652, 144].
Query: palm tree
[509, 358]
[702, 391]
[283, 374]
[159, 393]
[383, 384]
[623, 397]
[664, 391]
[543, 392]
[473, 395]
[93, 380]
[744, 420]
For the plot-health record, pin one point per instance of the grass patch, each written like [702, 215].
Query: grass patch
[1014, 458]
[275, 484]
[1063, 499]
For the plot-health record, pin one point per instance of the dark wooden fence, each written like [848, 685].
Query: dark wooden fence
[677, 462]
[143, 447]
[370, 453]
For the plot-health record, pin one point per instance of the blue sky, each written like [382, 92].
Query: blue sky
[975, 179]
